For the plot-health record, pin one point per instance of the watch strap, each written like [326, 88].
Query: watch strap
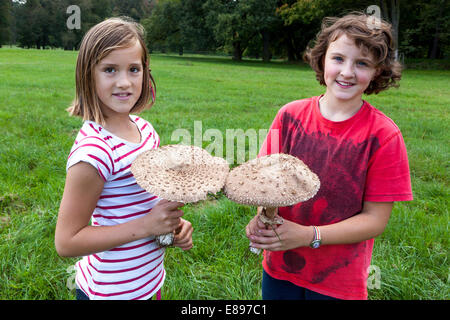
[317, 240]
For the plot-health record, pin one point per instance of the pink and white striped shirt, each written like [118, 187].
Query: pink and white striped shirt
[134, 270]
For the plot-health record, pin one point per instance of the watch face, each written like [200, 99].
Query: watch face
[315, 244]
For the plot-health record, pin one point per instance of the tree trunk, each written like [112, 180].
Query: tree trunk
[434, 52]
[237, 52]
[392, 15]
[395, 13]
[267, 54]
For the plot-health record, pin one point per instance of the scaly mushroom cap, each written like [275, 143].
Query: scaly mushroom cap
[180, 173]
[275, 180]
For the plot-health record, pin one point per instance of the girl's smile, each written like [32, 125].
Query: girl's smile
[122, 96]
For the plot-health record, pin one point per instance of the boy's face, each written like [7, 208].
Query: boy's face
[347, 71]
[118, 80]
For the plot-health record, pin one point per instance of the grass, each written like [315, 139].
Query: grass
[36, 135]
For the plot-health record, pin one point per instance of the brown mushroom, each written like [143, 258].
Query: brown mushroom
[179, 173]
[272, 181]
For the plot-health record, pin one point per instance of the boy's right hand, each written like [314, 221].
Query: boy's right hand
[255, 224]
[163, 218]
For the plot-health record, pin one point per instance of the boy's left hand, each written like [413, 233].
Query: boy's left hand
[286, 236]
[183, 235]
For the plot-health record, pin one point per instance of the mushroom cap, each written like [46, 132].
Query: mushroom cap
[180, 173]
[275, 180]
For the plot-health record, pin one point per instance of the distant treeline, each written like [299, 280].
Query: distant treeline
[242, 28]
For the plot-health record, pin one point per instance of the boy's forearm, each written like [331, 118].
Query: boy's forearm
[368, 224]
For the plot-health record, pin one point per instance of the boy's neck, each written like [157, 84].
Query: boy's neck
[337, 110]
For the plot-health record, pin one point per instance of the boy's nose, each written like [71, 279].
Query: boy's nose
[347, 71]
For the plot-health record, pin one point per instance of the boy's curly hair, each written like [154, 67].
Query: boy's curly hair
[371, 36]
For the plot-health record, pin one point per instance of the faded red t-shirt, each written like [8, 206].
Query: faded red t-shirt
[360, 159]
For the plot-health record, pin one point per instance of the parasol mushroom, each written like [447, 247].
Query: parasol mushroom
[179, 173]
[272, 181]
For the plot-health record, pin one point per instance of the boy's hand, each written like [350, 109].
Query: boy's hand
[286, 236]
[255, 224]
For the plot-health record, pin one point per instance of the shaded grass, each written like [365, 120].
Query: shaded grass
[36, 135]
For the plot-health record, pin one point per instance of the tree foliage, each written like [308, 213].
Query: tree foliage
[254, 28]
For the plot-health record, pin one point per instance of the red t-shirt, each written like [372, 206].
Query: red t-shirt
[360, 159]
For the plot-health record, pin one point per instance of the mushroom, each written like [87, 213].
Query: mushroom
[272, 181]
[179, 173]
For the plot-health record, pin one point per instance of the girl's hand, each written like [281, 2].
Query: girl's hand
[183, 235]
[286, 236]
[164, 218]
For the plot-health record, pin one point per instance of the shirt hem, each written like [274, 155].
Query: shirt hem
[313, 287]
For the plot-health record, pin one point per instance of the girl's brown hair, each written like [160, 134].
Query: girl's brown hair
[371, 36]
[97, 43]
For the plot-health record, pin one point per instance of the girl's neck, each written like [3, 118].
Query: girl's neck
[123, 128]
[337, 110]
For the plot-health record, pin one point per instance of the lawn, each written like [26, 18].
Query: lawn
[201, 93]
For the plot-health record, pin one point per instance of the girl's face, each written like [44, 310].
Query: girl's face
[118, 80]
[347, 71]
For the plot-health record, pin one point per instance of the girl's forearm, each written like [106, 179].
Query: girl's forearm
[93, 239]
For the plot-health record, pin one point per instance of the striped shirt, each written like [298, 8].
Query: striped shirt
[134, 270]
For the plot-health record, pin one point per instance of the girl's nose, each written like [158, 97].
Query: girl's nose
[123, 81]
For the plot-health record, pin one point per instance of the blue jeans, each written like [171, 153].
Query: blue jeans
[274, 289]
[81, 295]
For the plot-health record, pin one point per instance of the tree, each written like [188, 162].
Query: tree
[136, 9]
[179, 25]
[302, 20]
[236, 23]
[197, 35]
[163, 26]
[5, 20]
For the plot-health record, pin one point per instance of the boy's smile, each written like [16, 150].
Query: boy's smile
[347, 71]
[118, 79]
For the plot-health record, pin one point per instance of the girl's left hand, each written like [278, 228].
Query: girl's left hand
[183, 235]
[286, 236]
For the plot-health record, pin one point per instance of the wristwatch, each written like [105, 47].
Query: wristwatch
[315, 243]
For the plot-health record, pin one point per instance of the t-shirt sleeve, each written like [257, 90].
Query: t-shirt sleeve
[94, 153]
[388, 176]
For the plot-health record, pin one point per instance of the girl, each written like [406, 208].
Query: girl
[121, 259]
[324, 247]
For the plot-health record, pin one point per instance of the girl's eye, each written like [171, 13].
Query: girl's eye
[362, 64]
[339, 59]
[134, 69]
[110, 70]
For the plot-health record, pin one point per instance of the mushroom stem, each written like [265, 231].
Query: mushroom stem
[269, 212]
[165, 240]
[267, 216]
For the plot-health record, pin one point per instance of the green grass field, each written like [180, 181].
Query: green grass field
[36, 134]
